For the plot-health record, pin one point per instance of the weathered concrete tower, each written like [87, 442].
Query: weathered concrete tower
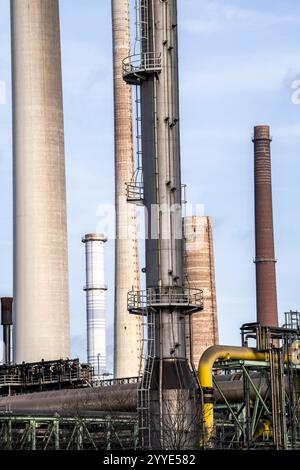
[41, 310]
[266, 295]
[199, 266]
[128, 333]
[167, 393]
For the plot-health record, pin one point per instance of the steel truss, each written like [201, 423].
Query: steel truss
[68, 433]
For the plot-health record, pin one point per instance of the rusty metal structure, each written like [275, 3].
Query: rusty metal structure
[128, 334]
[266, 296]
[199, 273]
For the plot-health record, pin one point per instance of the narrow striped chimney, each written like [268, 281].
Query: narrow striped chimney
[95, 289]
[266, 296]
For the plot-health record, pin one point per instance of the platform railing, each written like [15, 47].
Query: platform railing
[147, 62]
[139, 301]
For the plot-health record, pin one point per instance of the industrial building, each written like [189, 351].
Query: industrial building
[175, 387]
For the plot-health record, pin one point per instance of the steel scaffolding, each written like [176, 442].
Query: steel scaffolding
[257, 403]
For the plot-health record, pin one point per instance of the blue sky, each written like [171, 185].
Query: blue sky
[238, 60]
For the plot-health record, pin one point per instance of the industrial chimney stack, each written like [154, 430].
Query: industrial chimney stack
[41, 301]
[168, 390]
[266, 296]
[95, 302]
[128, 333]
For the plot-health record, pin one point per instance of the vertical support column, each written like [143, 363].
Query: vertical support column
[6, 322]
[266, 295]
[41, 304]
[32, 434]
[56, 434]
[128, 332]
[95, 302]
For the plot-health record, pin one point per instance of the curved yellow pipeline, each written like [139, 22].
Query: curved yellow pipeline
[209, 357]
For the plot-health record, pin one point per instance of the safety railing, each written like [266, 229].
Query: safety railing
[139, 301]
[40, 378]
[136, 66]
[135, 192]
[111, 382]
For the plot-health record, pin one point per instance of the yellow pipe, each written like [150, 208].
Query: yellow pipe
[209, 357]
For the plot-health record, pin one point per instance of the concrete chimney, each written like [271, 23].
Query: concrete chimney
[95, 302]
[128, 333]
[266, 297]
[41, 310]
[199, 270]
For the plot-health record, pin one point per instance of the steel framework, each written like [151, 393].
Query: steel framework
[68, 433]
[263, 408]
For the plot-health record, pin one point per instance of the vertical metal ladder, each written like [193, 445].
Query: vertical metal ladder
[146, 376]
[141, 24]
[142, 20]
[138, 177]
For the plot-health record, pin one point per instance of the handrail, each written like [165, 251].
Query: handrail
[139, 301]
[145, 62]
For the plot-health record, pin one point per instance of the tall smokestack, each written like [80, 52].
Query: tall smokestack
[199, 269]
[41, 310]
[6, 322]
[266, 296]
[95, 302]
[127, 349]
[168, 388]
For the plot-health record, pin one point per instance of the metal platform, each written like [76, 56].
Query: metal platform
[137, 68]
[189, 300]
[135, 193]
[44, 375]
